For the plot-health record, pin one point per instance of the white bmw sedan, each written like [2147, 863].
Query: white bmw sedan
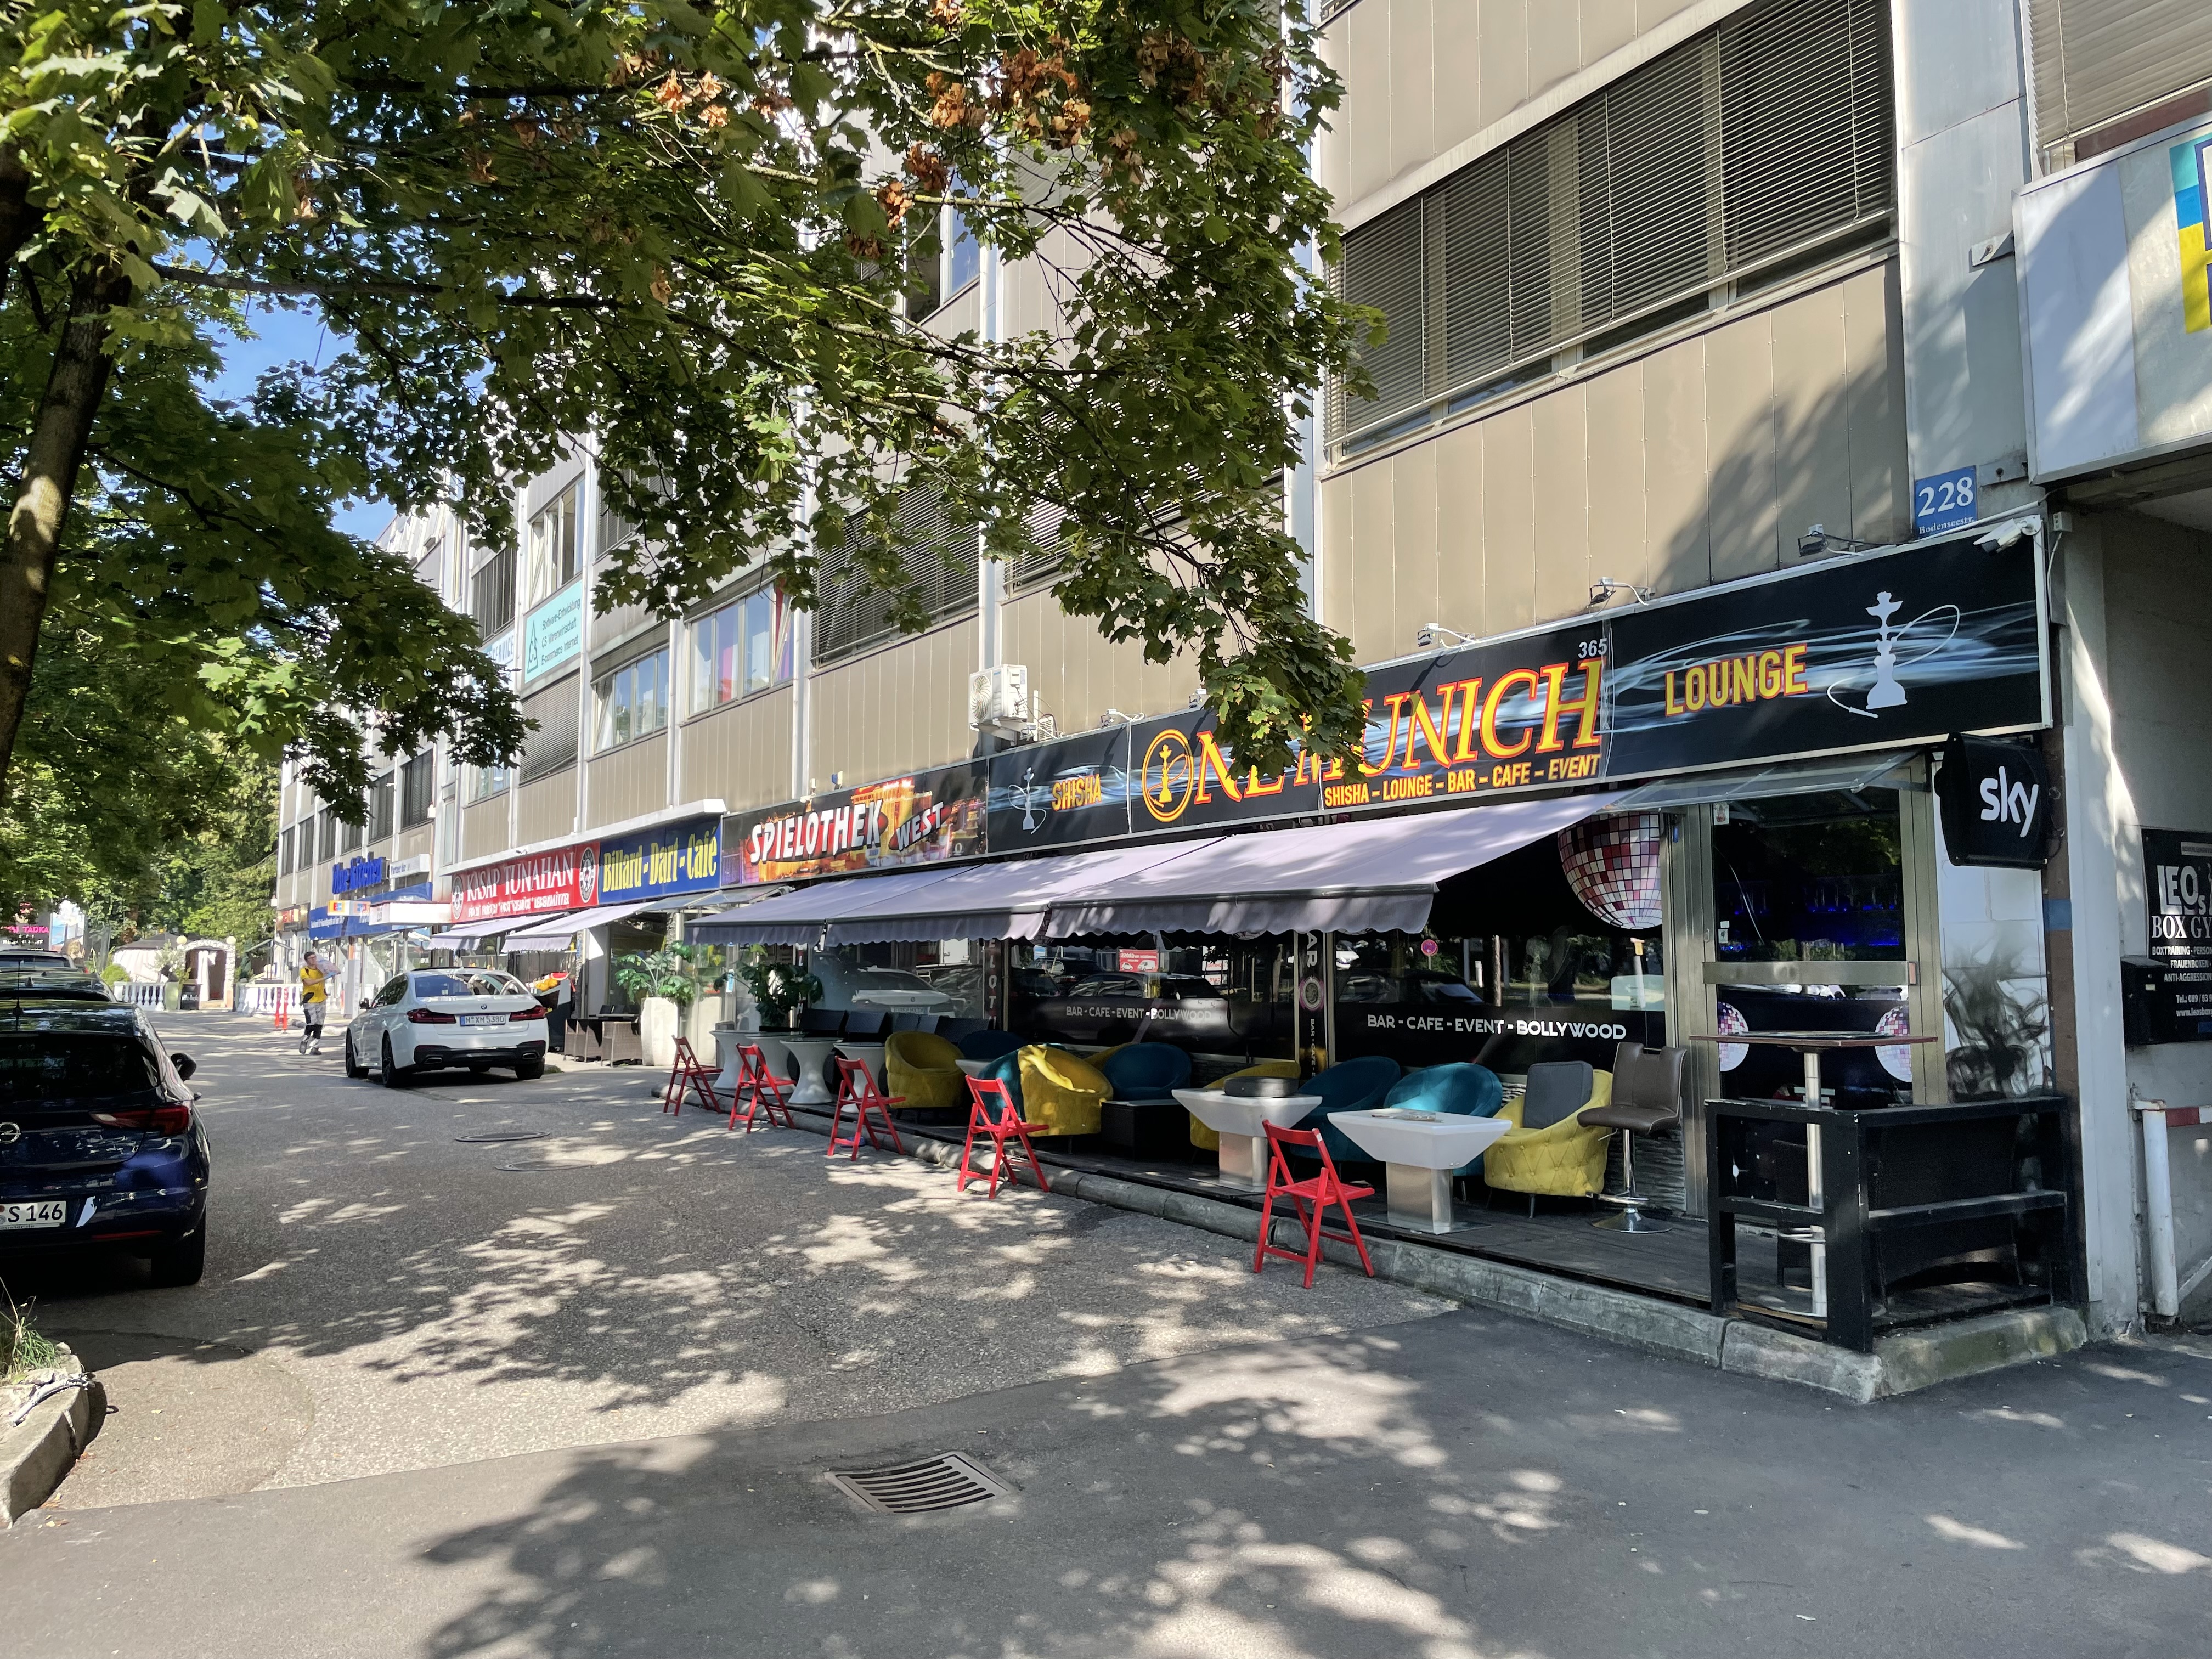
[438, 1017]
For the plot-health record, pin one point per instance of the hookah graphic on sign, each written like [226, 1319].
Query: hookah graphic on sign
[1886, 692]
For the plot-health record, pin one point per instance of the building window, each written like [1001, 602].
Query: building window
[744, 646]
[555, 555]
[553, 745]
[491, 593]
[284, 865]
[485, 781]
[1746, 154]
[327, 823]
[348, 837]
[939, 557]
[963, 254]
[417, 779]
[632, 702]
[381, 804]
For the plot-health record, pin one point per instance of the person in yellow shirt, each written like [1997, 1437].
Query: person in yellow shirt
[314, 1002]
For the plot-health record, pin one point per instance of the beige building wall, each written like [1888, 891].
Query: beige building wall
[1424, 75]
[898, 707]
[629, 782]
[484, 828]
[546, 810]
[739, 753]
[1702, 461]
[414, 844]
[1077, 675]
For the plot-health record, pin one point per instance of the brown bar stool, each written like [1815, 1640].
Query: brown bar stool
[1647, 1094]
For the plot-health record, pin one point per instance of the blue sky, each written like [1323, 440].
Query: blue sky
[290, 336]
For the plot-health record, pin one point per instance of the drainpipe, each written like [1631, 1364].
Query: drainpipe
[990, 576]
[2158, 1207]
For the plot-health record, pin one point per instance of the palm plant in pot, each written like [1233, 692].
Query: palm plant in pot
[779, 989]
[665, 982]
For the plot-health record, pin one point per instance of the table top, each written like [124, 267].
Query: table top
[1814, 1040]
[1434, 1123]
[1308, 1101]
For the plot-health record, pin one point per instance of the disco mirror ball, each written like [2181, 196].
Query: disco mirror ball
[1612, 861]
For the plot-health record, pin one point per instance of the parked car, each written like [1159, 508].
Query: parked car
[100, 1148]
[35, 977]
[438, 1017]
[895, 990]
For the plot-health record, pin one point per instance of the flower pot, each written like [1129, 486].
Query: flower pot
[658, 1020]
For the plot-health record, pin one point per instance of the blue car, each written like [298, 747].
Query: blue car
[100, 1148]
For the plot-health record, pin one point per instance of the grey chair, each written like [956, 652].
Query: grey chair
[1647, 1096]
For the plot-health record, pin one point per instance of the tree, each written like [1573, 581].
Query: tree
[682, 232]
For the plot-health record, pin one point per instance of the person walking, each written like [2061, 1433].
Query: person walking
[314, 1002]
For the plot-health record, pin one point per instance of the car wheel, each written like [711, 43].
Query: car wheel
[529, 1069]
[353, 1067]
[183, 1262]
[393, 1077]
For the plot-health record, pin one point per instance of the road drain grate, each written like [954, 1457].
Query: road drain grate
[499, 1139]
[949, 1482]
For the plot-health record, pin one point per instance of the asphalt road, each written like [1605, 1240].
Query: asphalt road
[1391, 1481]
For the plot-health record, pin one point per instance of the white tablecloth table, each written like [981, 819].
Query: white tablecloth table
[1238, 1120]
[1420, 1151]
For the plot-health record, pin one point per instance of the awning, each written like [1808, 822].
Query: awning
[1001, 901]
[798, 917]
[553, 932]
[468, 935]
[1840, 774]
[1379, 875]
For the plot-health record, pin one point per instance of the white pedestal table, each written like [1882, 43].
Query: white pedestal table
[1420, 1151]
[1238, 1120]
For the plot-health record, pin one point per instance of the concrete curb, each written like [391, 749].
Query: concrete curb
[1901, 1364]
[35, 1455]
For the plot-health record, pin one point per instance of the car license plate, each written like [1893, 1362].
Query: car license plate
[47, 1213]
[483, 1019]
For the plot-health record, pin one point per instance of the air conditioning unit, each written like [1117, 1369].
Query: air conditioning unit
[999, 699]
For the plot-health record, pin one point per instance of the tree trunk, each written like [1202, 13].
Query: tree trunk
[74, 385]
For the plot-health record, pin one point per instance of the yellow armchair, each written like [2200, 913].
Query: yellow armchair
[1209, 1141]
[1061, 1092]
[926, 1070]
[1562, 1160]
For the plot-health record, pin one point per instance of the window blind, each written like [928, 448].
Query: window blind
[939, 557]
[491, 593]
[553, 745]
[2097, 60]
[1757, 142]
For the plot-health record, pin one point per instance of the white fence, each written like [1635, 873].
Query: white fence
[264, 1000]
[142, 996]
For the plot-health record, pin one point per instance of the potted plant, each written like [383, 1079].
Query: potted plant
[775, 992]
[665, 984]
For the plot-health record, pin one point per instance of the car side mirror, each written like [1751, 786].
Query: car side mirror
[368, 1002]
[184, 1064]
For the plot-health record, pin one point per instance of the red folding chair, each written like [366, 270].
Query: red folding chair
[1311, 1198]
[686, 1075]
[1002, 1127]
[856, 1087]
[759, 1091]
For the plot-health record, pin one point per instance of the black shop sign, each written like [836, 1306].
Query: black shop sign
[2168, 994]
[1996, 803]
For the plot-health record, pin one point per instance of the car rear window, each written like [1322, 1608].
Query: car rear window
[47, 1066]
[466, 985]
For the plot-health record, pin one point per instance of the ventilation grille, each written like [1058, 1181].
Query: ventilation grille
[1750, 146]
[948, 1481]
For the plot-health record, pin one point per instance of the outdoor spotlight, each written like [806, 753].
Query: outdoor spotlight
[1116, 717]
[1817, 540]
[1425, 637]
[1605, 587]
[2004, 535]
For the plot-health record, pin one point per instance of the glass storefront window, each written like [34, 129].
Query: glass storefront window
[944, 978]
[1817, 879]
[1220, 998]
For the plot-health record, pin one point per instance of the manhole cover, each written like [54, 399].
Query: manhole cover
[539, 1164]
[945, 1482]
[496, 1139]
